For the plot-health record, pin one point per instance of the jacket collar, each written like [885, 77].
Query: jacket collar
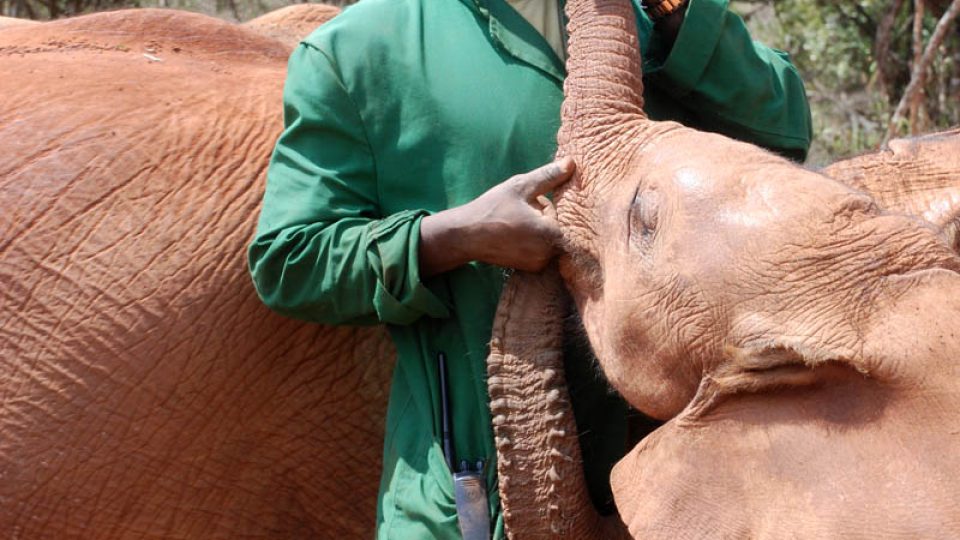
[515, 36]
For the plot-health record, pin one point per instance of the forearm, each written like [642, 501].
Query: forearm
[306, 273]
[349, 271]
[445, 242]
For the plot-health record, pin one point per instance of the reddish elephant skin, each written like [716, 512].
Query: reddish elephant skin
[798, 335]
[918, 176]
[146, 392]
[800, 340]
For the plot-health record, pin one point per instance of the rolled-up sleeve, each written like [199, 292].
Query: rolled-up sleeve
[322, 251]
[737, 86]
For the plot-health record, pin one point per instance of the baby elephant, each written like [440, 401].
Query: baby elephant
[799, 336]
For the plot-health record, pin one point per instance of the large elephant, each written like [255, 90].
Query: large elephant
[144, 389]
[146, 392]
[11, 21]
[800, 341]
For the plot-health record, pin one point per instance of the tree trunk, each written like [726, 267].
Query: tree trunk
[917, 99]
[916, 79]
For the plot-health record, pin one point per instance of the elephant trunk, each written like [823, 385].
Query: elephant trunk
[603, 91]
[542, 486]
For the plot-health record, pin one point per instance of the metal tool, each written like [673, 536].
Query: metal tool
[469, 485]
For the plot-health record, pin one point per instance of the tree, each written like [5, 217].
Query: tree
[857, 58]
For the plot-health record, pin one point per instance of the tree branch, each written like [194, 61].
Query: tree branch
[916, 78]
[859, 18]
[881, 48]
[917, 97]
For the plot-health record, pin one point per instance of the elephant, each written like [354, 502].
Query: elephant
[290, 24]
[798, 339]
[146, 391]
[918, 176]
[6, 22]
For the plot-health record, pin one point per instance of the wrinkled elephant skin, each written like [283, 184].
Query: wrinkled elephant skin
[289, 24]
[918, 176]
[146, 391]
[799, 338]
[10, 21]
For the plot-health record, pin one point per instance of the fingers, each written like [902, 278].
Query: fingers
[546, 206]
[548, 227]
[544, 179]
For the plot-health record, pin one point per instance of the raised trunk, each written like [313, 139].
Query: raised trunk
[604, 88]
[542, 487]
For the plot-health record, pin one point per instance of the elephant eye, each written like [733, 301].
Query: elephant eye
[646, 214]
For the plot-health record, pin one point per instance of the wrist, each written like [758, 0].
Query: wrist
[470, 236]
[662, 9]
[668, 26]
[447, 240]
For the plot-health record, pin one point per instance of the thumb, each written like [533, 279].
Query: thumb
[544, 179]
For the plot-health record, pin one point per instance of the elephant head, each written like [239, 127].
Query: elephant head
[685, 244]
[746, 300]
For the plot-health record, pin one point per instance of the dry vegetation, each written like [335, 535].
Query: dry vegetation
[858, 58]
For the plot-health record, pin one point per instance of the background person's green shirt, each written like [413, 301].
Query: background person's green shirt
[399, 108]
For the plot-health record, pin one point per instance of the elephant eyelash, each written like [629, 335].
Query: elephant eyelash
[645, 214]
[633, 207]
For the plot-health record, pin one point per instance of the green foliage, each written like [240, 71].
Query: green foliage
[853, 79]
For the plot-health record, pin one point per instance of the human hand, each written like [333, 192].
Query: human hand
[513, 224]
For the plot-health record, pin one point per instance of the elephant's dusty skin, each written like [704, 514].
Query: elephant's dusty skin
[146, 391]
[840, 454]
[290, 24]
[174, 37]
[800, 338]
[919, 176]
[6, 22]
[542, 488]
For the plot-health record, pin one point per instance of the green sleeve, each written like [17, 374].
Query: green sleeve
[323, 252]
[735, 85]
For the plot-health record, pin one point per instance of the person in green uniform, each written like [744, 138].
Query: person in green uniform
[386, 200]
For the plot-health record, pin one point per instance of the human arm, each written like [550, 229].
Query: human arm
[323, 251]
[510, 225]
[735, 85]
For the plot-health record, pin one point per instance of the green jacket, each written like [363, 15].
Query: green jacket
[400, 108]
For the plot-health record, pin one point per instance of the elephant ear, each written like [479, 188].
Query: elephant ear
[815, 450]
[918, 176]
[767, 461]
